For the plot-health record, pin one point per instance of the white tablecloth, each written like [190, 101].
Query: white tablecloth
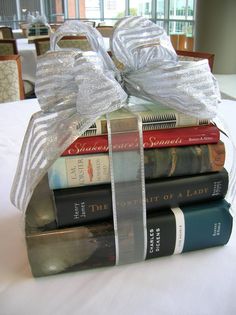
[227, 84]
[195, 283]
[28, 59]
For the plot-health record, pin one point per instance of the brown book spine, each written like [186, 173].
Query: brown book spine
[92, 169]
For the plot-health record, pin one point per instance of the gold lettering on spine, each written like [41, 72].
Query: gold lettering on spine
[196, 192]
[97, 207]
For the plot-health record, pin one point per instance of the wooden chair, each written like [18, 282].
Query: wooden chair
[174, 40]
[190, 43]
[11, 83]
[43, 44]
[6, 32]
[8, 47]
[79, 42]
[106, 31]
[182, 42]
[185, 55]
[179, 41]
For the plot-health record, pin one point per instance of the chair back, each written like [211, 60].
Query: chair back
[11, 83]
[8, 47]
[182, 42]
[43, 44]
[106, 31]
[6, 32]
[185, 55]
[79, 42]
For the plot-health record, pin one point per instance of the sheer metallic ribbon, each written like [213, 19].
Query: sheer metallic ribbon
[74, 88]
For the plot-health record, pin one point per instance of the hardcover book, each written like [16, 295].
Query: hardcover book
[92, 169]
[153, 116]
[201, 225]
[204, 134]
[81, 205]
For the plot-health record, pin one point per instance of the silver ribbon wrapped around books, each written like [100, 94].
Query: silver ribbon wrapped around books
[74, 88]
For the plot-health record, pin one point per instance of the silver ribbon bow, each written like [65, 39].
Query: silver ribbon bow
[75, 88]
[37, 19]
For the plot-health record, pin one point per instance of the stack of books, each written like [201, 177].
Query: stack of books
[69, 223]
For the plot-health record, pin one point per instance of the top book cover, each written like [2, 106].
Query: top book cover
[153, 116]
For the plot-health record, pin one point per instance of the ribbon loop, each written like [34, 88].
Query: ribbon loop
[72, 28]
[152, 71]
[138, 42]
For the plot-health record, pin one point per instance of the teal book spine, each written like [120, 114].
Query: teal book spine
[188, 228]
[170, 231]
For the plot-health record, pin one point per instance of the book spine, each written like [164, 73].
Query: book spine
[82, 205]
[169, 232]
[188, 228]
[162, 119]
[92, 169]
[151, 139]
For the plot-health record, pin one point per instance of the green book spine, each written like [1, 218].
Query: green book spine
[172, 231]
[93, 169]
[81, 205]
[153, 116]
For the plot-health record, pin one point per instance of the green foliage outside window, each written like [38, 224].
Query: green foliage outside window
[132, 11]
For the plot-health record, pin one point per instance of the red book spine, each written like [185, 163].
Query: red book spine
[151, 139]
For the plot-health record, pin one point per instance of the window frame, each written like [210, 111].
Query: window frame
[45, 8]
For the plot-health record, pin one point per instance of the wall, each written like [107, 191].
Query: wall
[216, 32]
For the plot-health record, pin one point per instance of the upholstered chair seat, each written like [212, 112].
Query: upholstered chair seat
[11, 84]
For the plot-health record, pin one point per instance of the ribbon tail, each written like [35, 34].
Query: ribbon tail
[47, 136]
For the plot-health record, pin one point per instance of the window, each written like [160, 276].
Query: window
[141, 7]
[91, 9]
[55, 11]
[8, 14]
[160, 9]
[176, 16]
[181, 17]
[113, 10]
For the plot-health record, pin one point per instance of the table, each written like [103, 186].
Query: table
[28, 58]
[227, 85]
[194, 283]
